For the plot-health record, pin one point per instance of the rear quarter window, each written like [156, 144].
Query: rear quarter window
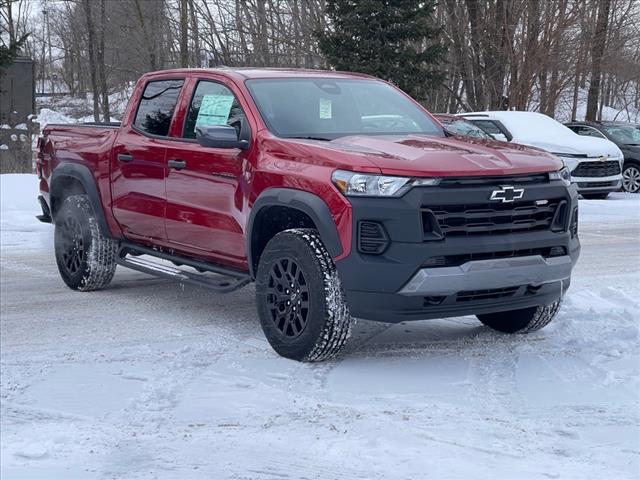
[156, 106]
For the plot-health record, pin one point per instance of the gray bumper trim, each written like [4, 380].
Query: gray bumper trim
[488, 274]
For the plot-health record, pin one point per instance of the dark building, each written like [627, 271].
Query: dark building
[17, 102]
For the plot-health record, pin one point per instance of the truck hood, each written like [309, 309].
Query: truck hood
[574, 145]
[425, 156]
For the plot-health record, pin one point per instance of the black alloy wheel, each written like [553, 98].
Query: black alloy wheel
[72, 245]
[288, 297]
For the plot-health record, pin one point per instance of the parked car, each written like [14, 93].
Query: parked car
[595, 163]
[627, 137]
[338, 194]
[460, 126]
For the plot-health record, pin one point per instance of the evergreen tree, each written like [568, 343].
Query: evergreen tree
[391, 39]
[8, 53]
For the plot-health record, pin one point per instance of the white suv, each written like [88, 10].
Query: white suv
[595, 163]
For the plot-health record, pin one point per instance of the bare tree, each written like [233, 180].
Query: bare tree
[597, 52]
[93, 70]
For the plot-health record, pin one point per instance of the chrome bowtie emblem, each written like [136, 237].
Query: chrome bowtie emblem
[507, 194]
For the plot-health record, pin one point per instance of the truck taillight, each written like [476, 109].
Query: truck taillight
[39, 156]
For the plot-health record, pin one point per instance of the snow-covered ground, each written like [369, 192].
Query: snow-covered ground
[147, 379]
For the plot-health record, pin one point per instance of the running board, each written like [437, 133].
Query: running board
[230, 279]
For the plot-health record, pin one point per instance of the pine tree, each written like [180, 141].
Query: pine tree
[8, 53]
[391, 39]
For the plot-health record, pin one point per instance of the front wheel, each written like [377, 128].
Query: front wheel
[631, 178]
[525, 320]
[300, 300]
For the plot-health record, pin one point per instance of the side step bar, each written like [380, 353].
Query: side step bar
[46, 213]
[229, 281]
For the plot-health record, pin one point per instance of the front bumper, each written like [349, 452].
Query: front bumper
[494, 273]
[480, 275]
[598, 184]
[595, 179]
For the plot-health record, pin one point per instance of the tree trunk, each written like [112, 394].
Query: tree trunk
[196, 35]
[104, 90]
[153, 61]
[184, 34]
[597, 52]
[91, 32]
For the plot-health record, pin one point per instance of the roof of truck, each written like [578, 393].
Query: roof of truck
[252, 72]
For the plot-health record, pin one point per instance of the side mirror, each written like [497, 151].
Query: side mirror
[221, 136]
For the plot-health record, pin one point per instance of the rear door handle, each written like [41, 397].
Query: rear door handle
[177, 164]
[125, 157]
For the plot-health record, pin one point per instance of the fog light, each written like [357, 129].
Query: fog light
[556, 251]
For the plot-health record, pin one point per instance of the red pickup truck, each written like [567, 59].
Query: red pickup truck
[339, 195]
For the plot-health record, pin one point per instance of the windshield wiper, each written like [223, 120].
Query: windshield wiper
[312, 138]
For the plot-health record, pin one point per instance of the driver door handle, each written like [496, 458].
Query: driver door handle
[177, 164]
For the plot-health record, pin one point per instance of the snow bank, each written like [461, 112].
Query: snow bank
[47, 116]
[18, 208]
[565, 104]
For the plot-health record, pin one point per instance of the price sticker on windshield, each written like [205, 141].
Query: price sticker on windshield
[325, 109]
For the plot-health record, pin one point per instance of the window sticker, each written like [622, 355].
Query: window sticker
[214, 110]
[325, 108]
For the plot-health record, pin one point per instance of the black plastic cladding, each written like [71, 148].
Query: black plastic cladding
[408, 249]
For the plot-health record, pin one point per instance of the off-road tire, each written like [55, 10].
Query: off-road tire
[320, 324]
[86, 259]
[526, 320]
[594, 196]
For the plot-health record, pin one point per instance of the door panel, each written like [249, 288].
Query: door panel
[204, 199]
[138, 185]
[204, 203]
[138, 163]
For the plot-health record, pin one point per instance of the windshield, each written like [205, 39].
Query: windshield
[468, 129]
[326, 109]
[625, 134]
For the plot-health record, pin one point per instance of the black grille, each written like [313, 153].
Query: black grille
[536, 178]
[457, 260]
[597, 184]
[492, 218]
[597, 169]
[471, 295]
[372, 238]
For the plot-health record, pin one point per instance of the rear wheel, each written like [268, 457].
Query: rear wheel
[525, 320]
[631, 178]
[595, 196]
[85, 257]
[300, 301]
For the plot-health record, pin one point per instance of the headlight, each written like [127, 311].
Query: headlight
[363, 184]
[563, 175]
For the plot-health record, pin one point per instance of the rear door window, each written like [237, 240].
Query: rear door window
[157, 106]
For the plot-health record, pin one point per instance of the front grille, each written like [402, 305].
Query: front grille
[494, 218]
[597, 184]
[597, 169]
[461, 259]
[372, 238]
[472, 295]
[535, 178]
